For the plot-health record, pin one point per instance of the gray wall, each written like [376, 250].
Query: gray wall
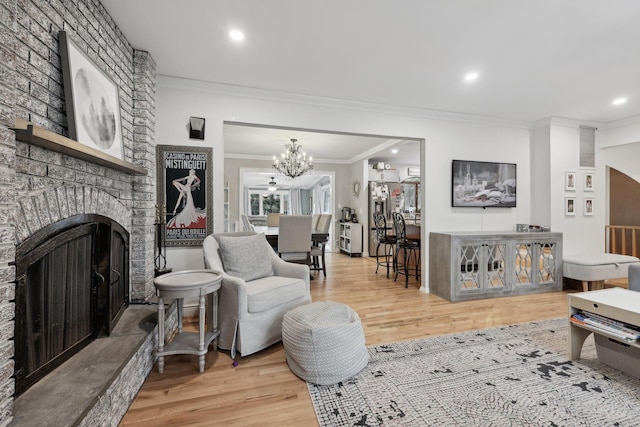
[31, 88]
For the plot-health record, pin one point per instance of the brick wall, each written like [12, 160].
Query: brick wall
[31, 88]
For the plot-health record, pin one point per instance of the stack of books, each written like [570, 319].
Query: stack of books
[619, 329]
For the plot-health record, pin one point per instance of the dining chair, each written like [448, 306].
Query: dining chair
[318, 249]
[294, 238]
[246, 225]
[387, 241]
[273, 219]
[410, 248]
[314, 221]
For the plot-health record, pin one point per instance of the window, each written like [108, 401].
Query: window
[325, 198]
[262, 203]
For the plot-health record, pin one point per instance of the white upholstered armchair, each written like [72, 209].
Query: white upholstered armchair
[257, 289]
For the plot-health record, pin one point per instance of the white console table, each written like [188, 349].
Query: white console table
[618, 304]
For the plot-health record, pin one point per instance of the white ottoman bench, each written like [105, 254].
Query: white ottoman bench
[324, 342]
[595, 267]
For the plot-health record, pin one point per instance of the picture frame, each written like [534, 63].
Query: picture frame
[570, 206]
[92, 101]
[185, 193]
[570, 180]
[588, 181]
[588, 206]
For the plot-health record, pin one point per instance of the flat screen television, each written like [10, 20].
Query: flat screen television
[483, 184]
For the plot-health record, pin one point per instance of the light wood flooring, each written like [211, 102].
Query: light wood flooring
[262, 391]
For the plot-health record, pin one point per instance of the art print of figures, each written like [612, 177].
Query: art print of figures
[570, 181]
[93, 104]
[588, 206]
[588, 182]
[570, 206]
[185, 190]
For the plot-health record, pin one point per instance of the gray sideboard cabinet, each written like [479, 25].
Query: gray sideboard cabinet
[476, 265]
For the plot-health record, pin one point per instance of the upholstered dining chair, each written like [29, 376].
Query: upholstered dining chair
[257, 289]
[314, 221]
[387, 241]
[318, 250]
[294, 238]
[409, 249]
[273, 219]
[246, 225]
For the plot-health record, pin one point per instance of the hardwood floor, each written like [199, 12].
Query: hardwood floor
[262, 391]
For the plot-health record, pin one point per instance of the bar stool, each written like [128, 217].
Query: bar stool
[387, 241]
[410, 249]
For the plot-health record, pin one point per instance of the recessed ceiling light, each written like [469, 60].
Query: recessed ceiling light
[471, 77]
[236, 35]
[394, 151]
[619, 101]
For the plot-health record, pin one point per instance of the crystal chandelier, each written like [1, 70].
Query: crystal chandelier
[293, 161]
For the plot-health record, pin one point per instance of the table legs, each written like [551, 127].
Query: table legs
[577, 336]
[160, 334]
[201, 316]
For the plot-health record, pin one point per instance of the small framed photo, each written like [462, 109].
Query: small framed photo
[588, 181]
[588, 206]
[570, 206]
[570, 181]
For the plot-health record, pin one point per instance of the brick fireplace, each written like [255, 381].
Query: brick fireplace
[40, 187]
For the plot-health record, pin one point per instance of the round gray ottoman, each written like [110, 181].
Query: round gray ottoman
[324, 342]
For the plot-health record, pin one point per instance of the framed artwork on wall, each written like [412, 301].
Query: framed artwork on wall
[92, 101]
[185, 193]
[570, 181]
[570, 206]
[588, 181]
[588, 206]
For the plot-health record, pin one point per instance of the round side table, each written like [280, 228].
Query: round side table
[186, 284]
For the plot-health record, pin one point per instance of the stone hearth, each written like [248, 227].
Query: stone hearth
[112, 371]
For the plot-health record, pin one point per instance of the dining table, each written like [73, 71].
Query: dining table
[271, 233]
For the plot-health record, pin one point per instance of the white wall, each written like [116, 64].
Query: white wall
[446, 139]
[541, 175]
[580, 233]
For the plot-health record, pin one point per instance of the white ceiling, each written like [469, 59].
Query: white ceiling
[535, 59]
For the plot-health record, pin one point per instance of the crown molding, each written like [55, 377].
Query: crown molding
[563, 121]
[270, 159]
[271, 95]
[632, 120]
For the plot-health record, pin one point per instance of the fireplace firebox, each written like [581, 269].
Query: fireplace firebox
[72, 287]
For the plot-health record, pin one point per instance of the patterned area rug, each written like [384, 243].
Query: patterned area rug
[518, 375]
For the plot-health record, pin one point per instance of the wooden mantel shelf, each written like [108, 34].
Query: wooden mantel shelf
[36, 135]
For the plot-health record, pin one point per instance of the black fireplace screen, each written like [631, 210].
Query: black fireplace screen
[72, 287]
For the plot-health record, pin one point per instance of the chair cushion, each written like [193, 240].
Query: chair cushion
[245, 256]
[268, 292]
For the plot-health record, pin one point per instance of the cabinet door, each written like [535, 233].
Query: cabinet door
[523, 256]
[496, 274]
[535, 263]
[482, 267]
[547, 258]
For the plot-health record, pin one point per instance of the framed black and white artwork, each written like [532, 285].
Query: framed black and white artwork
[92, 101]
